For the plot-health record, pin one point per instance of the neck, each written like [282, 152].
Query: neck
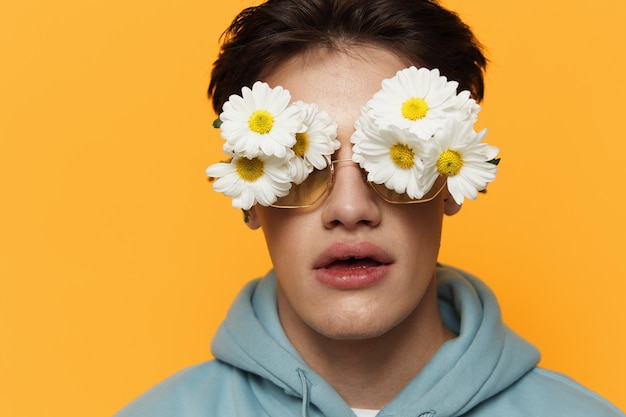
[369, 373]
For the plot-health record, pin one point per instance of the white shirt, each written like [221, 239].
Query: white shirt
[365, 413]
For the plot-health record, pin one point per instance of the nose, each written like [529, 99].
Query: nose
[351, 202]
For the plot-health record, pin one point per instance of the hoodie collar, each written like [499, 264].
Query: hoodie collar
[483, 360]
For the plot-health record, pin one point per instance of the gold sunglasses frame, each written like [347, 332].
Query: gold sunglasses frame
[329, 186]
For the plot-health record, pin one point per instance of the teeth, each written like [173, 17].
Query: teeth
[354, 262]
[354, 258]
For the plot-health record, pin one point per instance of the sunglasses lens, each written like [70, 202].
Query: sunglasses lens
[318, 182]
[392, 197]
[307, 192]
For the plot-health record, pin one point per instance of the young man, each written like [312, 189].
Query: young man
[349, 124]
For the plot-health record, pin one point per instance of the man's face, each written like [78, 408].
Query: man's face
[353, 266]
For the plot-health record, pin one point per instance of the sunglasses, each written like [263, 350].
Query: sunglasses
[320, 182]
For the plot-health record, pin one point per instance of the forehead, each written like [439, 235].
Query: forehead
[338, 81]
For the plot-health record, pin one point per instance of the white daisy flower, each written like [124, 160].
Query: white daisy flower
[316, 141]
[457, 153]
[260, 179]
[421, 100]
[391, 156]
[260, 121]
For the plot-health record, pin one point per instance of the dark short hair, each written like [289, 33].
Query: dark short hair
[420, 31]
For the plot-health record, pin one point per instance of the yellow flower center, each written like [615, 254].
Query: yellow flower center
[249, 169]
[402, 155]
[449, 163]
[414, 109]
[261, 122]
[302, 144]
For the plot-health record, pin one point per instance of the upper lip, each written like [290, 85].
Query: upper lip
[351, 250]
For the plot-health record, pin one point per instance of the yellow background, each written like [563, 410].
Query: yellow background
[117, 261]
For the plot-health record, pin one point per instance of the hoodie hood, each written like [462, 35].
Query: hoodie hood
[485, 358]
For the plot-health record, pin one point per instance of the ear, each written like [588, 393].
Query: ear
[450, 206]
[251, 218]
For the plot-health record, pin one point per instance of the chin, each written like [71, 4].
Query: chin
[356, 328]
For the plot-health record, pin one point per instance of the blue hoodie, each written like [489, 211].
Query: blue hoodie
[486, 371]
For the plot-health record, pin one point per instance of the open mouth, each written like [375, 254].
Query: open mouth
[352, 255]
[353, 263]
[352, 266]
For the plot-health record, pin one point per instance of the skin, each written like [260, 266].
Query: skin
[368, 343]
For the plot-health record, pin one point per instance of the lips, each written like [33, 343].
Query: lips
[347, 266]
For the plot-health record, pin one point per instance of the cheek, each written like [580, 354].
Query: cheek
[284, 237]
[421, 222]
[419, 237]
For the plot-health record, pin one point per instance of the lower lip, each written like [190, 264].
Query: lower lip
[346, 278]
